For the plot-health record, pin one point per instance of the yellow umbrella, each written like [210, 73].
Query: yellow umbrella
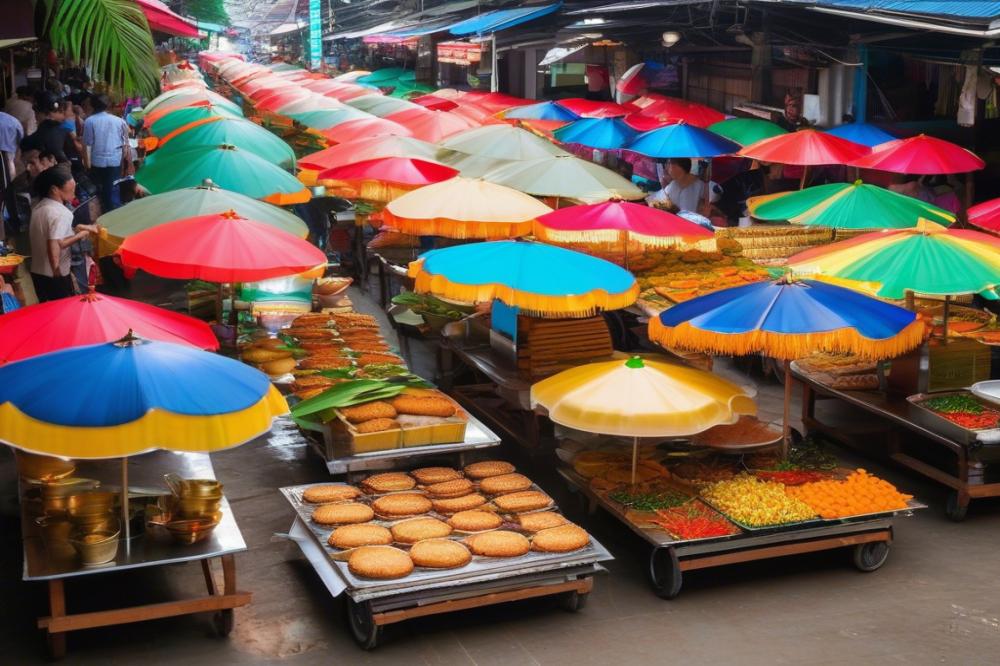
[640, 398]
[464, 208]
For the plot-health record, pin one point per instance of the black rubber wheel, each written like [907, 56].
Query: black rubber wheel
[362, 625]
[870, 556]
[665, 573]
[223, 622]
[953, 509]
[573, 601]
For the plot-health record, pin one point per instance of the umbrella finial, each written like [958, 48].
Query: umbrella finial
[858, 182]
[635, 362]
[91, 294]
[127, 340]
[208, 184]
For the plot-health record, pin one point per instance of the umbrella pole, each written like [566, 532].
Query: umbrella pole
[786, 427]
[805, 177]
[218, 304]
[635, 457]
[947, 309]
[708, 188]
[909, 301]
[125, 517]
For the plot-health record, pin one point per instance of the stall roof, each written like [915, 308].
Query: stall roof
[162, 19]
[502, 19]
[973, 18]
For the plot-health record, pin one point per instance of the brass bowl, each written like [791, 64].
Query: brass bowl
[61, 488]
[195, 507]
[191, 531]
[193, 487]
[43, 468]
[91, 504]
[97, 546]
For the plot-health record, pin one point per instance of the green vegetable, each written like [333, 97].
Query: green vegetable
[649, 501]
[949, 404]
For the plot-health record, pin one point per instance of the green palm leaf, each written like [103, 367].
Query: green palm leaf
[112, 35]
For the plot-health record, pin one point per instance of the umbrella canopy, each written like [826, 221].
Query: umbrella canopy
[432, 101]
[147, 212]
[640, 398]
[614, 221]
[312, 102]
[464, 208]
[265, 86]
[431, 126]
[187, 97]
[920, 155]
[637, 78]
[219, 248]
[364, 128]
[160, 395]
[352, 76]
[327, 118]
[495, 102]
[381, 77]
[847, 206]
[589, 108]
[475, 114]
[564, 176]
[502, 142]
[77, 321]
[366, 148]
[746, 131]
[387, 178]
[347, 91]
[540, 279]
[599, 133]
[642, 123]
[471, 166]
[227, 166]
[681, 140]
[927, 259]
[541, 111]
[171, 105]
[381, 105]
[281, 98]
[677, 110]
[788, 320]
[806, 148]
[986, 215]
[238, 132]
[862, 133]
[187, 117]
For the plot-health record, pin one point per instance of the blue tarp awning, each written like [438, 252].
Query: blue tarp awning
[502, 19]
[967, 9]
[421, 29]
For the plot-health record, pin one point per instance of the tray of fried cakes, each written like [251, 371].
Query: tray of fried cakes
[440, 524]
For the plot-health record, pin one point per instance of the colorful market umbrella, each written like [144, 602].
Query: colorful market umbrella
[431, 126]
[382, 77]
[171, 105]
[540, 280]
[238, 132]
[364, 128]
[642, 123]
[327, 118]
[476, 115]
[564, 176]
[345, 92]
[681, 140]
[351, 76]
[599, 133]
[281, 98]
[920, 154]
[746, 131]
[381, 105]
[502, 142]
[311, 102]
[862, 133]
[90, 319]
[677, 110]
[927, 259]
[807, 147]
[847, 206]
[219, 248]
[187, 117]
[495, 102]
[637, 78]
[386, 178]
[187, 97]
[590, 108]
[147, 212]
[464, 208]
[986, 215]
[366, 148]
[541, 111]
[618, 222]
[432, 101]
[471, 166]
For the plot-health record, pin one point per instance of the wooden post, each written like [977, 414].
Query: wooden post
[57, 608]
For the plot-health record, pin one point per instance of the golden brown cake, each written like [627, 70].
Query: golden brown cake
[440, 554]
[342, 514]
[498, 543]
[362, 534]
[486, 468]
[562, 539]
[504, 483]
[336, 492]
[430, 475]
[455, 504]
[540, 520]
[401, 504]
[417, 529]
[389, 482]
[383, 562]
[475, 521]
[526, 500]
[453, 488]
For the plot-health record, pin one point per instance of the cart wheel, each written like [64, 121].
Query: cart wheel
[665, 573]
[870, 556]
[223, 622]
[363, 628]
[954, 509]
[571, 602]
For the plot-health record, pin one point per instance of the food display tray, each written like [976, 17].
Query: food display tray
[760, 528]
[934, 421]
[480, 568]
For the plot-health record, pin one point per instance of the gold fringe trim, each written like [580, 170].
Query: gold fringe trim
[287, 199]
[440, 226]
[308, 177]
[537, 305]
[785, 346]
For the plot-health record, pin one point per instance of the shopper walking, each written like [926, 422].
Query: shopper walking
[11, 134]
[21, 106]
[50, 136]
[106, 137]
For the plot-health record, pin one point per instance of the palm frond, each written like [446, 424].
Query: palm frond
[112, 35]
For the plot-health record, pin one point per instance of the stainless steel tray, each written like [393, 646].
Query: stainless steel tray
[478, 569]
[933, 421]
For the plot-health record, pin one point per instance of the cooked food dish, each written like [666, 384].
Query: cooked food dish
[526, 500]
[389, 482]
[430, 475]
[440, 554]
[313, 381]
[562, 539]
[401, 504]
[383, 562]
[418, 406]
[364, 534]
[453, 488]
[452, 505]
[377, 425]
[339, 492]
[498, 543]
[379, 409]
[324, 363]
[475, 521]
[368, 359]
[487, 468]
[418, 529]
[504, 483]
[541, 520]
[342, 514]
[310, 333]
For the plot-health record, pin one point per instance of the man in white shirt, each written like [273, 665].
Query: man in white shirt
[685, 191]
[109, 153]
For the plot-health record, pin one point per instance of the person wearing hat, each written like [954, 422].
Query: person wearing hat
[50, 136]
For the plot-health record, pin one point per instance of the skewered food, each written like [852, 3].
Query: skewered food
[526, 500]
[440, 554]
[431, 475]
[486, 468]
[389, 482]
[310, 333]
[401, 504]
[383, 562]
[313, 381]
[329, 493]
[455, 504]
[379, 409]
[418, 529]
[543, 520]
[342, 514]
[498, 543]
[475, 521]
[355, 319]
[562, 539]
[305, 394]
[318, 345]
[504, 483]
[364, 534]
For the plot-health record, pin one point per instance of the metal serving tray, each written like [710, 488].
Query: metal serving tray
[933, 421]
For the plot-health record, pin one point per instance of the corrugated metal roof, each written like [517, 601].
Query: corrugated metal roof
[970, 9]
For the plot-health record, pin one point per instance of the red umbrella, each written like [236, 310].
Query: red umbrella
[394, 170]
[432, 101]
[805, 148]
[348, 91]
[589, 108]
[431, 126]
[922, 154]
[633, 81]
[92, 319]
[986, 215]
[644, 123]
[495, 101]
[219, 248]
[263, 86]
[651, 226]
[281, 98]
[367, 148]
[678, 110]
[475, 113]
[363, 128]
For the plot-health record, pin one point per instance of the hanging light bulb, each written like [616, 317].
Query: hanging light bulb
[670, 38]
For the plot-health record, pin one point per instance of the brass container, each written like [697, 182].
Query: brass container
[56, 495]
[90, 504]
[196, 507]
[192, 531]
[42, 468]
[209, 488]
[98, 546]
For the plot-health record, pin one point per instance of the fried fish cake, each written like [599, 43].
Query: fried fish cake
[379, 409]
[475, 521]
[562, 539]
[452, 505]
[418, 529]
[401, 504]
[311, 320]
[383, 562]
[389, 482]
[498, 543]
[363, 534]
[305, 394]
[364, 347]
[429, 475]
[453, 488]
[442, 407]
[319, 345]
[504, 483]
[335, 492]
[440, 554]
[377, 425]
[310, 333]
[313, 381]
[487, 468]
[342, 514]
[542, 520]
[526, 500]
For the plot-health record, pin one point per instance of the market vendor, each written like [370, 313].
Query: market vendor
[52, 233]
[684, 191]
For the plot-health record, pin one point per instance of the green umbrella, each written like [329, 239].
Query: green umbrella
[404, 90]
[228, 166]
[384, 76]
[381, 105]
[175, 120]
[234, 132]
[745, 131]
[847, 206]
[327, 118]
[188, 97]
[205, 199]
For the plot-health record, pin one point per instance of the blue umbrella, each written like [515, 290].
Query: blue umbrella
[682, 140]
[599, 133]
[863, 133]
[542, 111]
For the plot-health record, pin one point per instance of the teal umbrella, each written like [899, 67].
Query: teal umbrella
[175, 120]
[234, 132]
[745, 131]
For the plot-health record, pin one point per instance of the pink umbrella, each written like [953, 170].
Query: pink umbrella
[364, 128]
[922, 154]
[431, 126]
